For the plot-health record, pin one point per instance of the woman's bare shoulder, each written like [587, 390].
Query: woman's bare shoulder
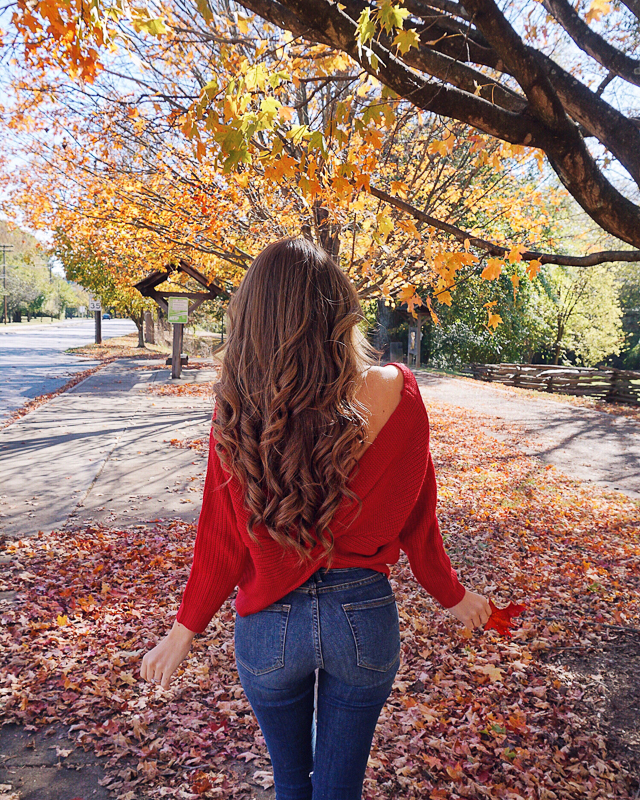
[382, 389]
[389, 378]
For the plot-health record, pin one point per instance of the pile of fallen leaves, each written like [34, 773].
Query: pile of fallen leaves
[203, 389]
[470, 715]
[119, 347]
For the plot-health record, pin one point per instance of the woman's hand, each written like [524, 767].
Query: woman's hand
[473, 610]
[159, 664]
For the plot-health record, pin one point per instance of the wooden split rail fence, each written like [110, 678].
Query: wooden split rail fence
[611, 385]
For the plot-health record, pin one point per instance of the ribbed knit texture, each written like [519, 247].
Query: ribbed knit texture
[395, 479]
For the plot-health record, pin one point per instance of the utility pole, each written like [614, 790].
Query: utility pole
[5, 247]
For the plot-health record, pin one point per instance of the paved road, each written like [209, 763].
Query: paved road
[33, 361]
[102, 452]
[589, 445]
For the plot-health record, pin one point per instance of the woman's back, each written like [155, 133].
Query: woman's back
[381, 393]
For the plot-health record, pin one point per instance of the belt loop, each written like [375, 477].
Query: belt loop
[318, 575]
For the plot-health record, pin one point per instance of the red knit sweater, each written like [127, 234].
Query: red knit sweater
[395, 479]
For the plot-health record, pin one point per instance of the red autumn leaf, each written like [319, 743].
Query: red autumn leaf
[201, 783]
[500, 618]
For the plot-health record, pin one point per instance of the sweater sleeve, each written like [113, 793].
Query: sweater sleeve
[421, 540]
[219, 552]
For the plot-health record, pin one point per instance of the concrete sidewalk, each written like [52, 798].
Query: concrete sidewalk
[101, 452]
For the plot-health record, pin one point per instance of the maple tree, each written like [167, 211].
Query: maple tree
[263, 133]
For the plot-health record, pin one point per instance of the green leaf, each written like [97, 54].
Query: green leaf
[365, 28]
[318, 142]
[392, 17]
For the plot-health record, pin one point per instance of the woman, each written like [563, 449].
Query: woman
[319, 472]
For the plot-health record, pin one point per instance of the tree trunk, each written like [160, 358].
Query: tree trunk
[381, 333]
[139, 321]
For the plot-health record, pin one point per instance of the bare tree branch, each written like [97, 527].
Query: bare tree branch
[592, 43]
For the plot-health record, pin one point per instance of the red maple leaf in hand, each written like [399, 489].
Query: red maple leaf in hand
[500, 618]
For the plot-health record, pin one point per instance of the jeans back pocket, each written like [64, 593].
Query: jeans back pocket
[376, 631]
[260, 638]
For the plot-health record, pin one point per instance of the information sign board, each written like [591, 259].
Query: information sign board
[95, 305]
[178, 310]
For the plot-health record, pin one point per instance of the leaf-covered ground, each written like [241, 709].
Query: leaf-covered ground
[119, 347]
[476, 716]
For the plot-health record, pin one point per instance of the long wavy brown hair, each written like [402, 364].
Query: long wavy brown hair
[288, 424]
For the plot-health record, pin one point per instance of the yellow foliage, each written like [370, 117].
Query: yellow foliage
[596, 9]
[533, 268]
[493, 269]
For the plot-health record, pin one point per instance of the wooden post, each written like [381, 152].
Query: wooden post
[176, 352]
[419, 340]
[98, 315]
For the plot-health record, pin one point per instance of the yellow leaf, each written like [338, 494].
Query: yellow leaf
[515, 254]
[533, 268]
[434, 316]
[399, 188]
[443, 147]
[494, 320]
[493, 269]
[384, 224]
[62, 620]
[405, 40]
[597, 9]
[243, 25]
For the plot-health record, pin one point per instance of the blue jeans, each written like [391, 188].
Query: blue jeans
[342, 627]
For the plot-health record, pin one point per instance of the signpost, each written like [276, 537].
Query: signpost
[96, 307]
[176, 304]
[178, 313]
[178, 316]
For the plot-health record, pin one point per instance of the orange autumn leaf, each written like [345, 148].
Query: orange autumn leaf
[500, 618]
[533, 268]
[493, 269]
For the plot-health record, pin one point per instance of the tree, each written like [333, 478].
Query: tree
[462, 61]
[143, 196]
[628, 281]
[467, 61]
[584, 313]
[82, 266]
